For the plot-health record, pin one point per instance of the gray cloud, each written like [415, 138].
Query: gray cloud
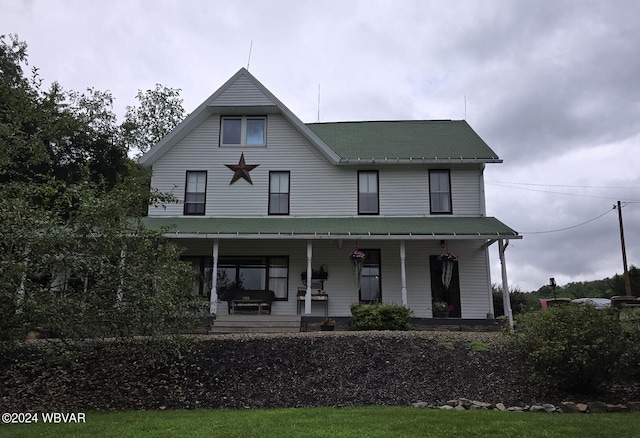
[552, 86]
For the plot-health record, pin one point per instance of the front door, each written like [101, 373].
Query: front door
[439, 292]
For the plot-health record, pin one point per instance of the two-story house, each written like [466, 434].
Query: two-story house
[268, 200]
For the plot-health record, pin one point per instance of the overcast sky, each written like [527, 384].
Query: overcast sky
[552, 86]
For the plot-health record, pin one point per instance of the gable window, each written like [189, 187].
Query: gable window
[440, 191]
[368, 192]
[195, 193]
[370, 291]
[243, 131]
[279, 192]
[254, 273]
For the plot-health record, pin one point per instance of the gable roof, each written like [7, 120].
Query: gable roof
[404, 141]
[259, 101]
[342, 143]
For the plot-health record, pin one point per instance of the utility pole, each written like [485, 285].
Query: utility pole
[627, 280]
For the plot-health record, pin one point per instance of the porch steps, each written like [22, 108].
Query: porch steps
[240, 323]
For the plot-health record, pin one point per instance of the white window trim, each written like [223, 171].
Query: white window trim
[243, 131]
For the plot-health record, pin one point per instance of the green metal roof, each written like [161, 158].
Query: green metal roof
[353, 227]
[413, 139]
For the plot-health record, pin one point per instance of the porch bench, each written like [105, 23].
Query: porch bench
[240, 300]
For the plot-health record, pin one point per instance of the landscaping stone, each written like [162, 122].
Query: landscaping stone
[501, 407]
[597, 407]
[569, 407]
[582, 407]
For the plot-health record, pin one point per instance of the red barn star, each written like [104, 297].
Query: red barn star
[241, 170]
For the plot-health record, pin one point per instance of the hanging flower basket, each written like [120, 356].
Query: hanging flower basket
[448, 260]
[357, 260]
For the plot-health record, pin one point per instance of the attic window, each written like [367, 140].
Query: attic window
[243, 131]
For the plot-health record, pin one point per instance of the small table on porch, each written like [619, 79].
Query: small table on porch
[315, 297]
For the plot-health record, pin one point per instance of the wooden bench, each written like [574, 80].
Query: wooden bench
[249, 300]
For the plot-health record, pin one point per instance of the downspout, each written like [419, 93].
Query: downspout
[506, 300]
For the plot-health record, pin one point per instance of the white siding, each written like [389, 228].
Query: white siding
[242, 92]
[474, 281]
[318, 188]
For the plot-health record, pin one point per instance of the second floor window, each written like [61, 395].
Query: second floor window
[195, 193]
[440, 191]
[243, 131]
[279, 192]
[368, 192]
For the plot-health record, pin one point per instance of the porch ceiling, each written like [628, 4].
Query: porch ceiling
[396, 228]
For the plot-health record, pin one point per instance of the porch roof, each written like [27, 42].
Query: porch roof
[425, 228]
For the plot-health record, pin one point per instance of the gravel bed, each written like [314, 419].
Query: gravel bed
[269, 371]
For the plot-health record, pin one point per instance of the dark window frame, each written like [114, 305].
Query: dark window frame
[431, 192]
[186, 211]
[369, 253]
[377, 211]
[238, 261]
[288, 193]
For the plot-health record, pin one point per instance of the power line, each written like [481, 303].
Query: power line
[571, 227]
[580, 195]
[563, 185]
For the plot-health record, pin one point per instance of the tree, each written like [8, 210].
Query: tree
[158, 112]
[74, 259]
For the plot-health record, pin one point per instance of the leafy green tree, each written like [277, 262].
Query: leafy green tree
[74, 260]
[158, 112]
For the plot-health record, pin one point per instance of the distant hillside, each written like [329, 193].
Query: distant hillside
[605, 288]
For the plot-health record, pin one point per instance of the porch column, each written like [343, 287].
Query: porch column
[506, 300]
[214, 279]
[307, 297]
[403, 273]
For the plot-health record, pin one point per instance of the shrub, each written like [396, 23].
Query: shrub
[571, 347]
[380, 317]
[520, 302]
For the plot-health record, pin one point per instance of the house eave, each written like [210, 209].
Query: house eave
[416, 160]
[342, 236]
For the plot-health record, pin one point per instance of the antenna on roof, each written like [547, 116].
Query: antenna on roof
[249, 60]
[318, 103]
[465, 107]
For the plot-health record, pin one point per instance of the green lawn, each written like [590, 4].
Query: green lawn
[335, 423]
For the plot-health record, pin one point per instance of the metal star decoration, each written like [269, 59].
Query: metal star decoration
[241, 170]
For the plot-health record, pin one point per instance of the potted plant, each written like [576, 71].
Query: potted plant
[328, 325]
[441, 309]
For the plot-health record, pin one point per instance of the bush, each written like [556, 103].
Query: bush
[520, 302]
[572, 347]
[380, 317]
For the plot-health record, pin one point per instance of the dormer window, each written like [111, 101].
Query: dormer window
[243, 131]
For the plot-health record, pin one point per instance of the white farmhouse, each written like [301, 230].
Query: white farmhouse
[271, 203]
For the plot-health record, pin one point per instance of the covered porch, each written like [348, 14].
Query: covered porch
[306, 261]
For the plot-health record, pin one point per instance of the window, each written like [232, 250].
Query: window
[440, 191]
[254, 273]
[243, 131]
[370, 291]
[195, 193]
[278, 192]
[368, 192]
